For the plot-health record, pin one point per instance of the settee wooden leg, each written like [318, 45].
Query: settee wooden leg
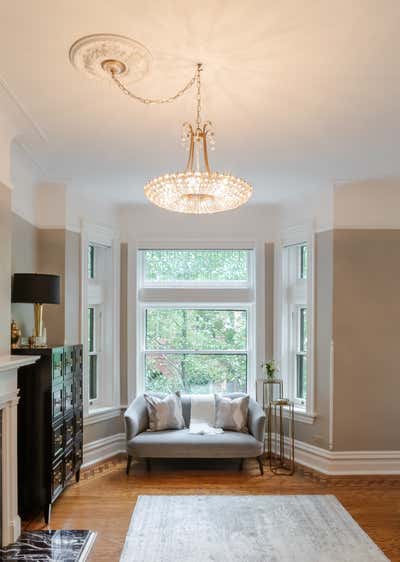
[148, 465]
[128, 464]
[240, 465]
[260, 464]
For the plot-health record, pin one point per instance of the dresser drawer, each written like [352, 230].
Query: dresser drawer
[78, 390]
[69, 432]
[69, 395]
[69, 361]
[58, 440]
[57, 361]
[57, 479]
[78, 360]
[57, 402]
[69, 464]
[78, 421]
[78, 452]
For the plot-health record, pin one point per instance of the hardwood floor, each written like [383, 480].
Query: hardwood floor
[104, 499]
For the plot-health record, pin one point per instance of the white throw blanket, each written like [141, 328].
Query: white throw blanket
[202, 415]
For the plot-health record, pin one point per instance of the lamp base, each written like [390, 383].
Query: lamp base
[38, 313]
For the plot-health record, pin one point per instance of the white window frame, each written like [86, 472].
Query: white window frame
[303, 234]
[108, 403]
[215, 296]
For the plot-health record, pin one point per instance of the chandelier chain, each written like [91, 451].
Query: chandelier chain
[149, 101]
[198, 84]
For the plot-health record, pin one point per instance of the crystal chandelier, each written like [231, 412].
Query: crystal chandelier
[198, 190]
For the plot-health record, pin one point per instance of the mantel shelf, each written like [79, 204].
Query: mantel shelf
[9, 362]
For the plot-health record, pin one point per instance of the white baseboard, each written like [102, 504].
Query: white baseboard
[341, 463]
[102, 449]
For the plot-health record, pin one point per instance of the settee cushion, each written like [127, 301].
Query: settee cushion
[182, 444]
[164, 413]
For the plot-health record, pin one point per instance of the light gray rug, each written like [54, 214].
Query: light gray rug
[245, 529]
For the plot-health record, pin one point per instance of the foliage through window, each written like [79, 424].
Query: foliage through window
[194, 348]
[92, 352]
[196, 265]
[301, 354]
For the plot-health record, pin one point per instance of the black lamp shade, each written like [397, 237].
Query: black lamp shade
[36, 288]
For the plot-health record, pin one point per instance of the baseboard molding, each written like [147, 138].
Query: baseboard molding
[102, 449]
[342, 463]
[333, 463]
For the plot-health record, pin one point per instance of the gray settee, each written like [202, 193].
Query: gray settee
[179, 443]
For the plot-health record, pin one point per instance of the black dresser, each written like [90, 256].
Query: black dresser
[50, 426]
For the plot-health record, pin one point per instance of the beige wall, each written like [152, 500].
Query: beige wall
[24, 259]
[366, 327]
[5, 268]
[72, 287]
[51, 259]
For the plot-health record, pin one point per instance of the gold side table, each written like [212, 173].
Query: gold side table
[281, 462]
[272, 389]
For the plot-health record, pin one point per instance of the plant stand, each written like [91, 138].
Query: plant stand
[281, 461]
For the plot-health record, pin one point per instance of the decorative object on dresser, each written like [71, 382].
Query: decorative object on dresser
[50, 426]
[39, 289]
[15, 335]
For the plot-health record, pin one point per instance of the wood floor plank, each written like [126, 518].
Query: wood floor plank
[104, 499]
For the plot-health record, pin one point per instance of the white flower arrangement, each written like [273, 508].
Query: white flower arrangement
[270, 367]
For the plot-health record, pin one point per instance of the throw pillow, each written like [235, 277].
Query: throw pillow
[164, 413]
[231, 413]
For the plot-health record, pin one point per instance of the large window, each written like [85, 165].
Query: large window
[295, 321]
[199, 347]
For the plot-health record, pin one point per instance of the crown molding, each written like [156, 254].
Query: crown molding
[20, 115]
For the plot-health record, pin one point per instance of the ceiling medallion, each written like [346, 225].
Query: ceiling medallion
[197, 189]
[99, 54]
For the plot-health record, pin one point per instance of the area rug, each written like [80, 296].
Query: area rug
[50, 546]
[245, 529]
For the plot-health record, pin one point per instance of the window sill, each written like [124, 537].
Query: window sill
[97, 415]
[300, 415]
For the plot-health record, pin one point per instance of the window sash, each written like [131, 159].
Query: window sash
[145, 283]
[144, 352]
[167, 376]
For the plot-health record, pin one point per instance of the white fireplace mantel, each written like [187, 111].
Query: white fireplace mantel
[9, 365]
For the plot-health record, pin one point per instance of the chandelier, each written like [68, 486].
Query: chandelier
[197, 189]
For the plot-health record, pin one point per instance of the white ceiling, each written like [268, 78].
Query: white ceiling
[302, 92]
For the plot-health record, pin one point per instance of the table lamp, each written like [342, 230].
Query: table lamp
[39, 289]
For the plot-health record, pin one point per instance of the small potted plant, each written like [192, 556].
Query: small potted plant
[270, 368]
